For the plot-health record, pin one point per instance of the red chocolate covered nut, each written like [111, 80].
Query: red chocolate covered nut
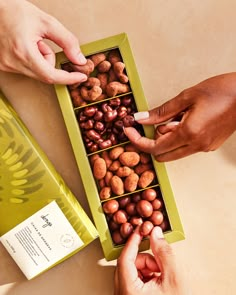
[157, 217]
[124, 201]
[117, 238]
[146, 228]
[126, 229]
[131, 209]
[149, 194]
[144, 208]
[136, 220]
[120, 216]
[110, 207]
[157, 204]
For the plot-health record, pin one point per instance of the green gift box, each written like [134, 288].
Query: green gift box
[76, 108]
[41, 221]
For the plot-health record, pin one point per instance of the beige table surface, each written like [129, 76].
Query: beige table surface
[175, 44]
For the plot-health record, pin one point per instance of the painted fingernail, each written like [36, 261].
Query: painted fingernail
[157, 232]
[172, 123]
[81, 58]
[141, 116]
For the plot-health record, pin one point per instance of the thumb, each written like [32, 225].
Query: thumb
[164, 112]
[163, 253]
[57, 33]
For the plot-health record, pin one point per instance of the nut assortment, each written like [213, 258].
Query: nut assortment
[125, 213]
[125, 177]
[108, 78]
[122, 169]
[102, 124]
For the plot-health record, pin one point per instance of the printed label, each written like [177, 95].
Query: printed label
[41, 240]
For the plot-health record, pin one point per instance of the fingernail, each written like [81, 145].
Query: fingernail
[158, 234]
[172, 123]
[84, 78]
[141, 116]
[81, 58]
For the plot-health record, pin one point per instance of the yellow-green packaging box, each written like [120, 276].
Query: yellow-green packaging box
[41, 221]
[74, 108]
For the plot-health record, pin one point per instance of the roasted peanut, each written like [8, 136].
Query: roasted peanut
[117, 185]
[146, 178]
[114, 166]
[145, 158]
[93, 158]
[99, 168]
[140, 168]
[102, 183]
[131, 182]
[116, 152]
[129, 159]
[105, 156]
[123, 171]
[108, 178]
[105, 193]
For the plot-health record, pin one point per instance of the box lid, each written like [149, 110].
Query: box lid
[28, 180]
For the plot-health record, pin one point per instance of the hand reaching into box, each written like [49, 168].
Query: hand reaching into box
[208, 116]
[145, 273]
[23, 30]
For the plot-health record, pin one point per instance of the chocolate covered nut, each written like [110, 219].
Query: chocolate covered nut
[99, 168]
[116, 152]
[149, 194]
[117, 185]
[129, 159]
[117, 238]
[146, 178]
[126, 229]
[146, 228]
[105, 193]
[157, 217]
[120, 216]
[131, 182]
[123, 171]
[144, 208]
[110, 207]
